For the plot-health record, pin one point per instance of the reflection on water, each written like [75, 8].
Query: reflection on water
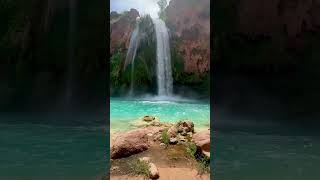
[46, 150]
[250, 156]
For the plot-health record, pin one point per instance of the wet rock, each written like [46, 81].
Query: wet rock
[202, 141]
[154, 173]
[146, 121]
[129, 143]
[148, 118]
[173, 141]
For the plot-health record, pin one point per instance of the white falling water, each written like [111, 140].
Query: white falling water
[131, 54]
[164, 71]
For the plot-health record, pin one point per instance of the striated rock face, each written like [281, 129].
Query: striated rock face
[121, 26]
[189, 24]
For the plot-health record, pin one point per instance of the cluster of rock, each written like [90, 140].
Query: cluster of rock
[150, 131]
[181, 132]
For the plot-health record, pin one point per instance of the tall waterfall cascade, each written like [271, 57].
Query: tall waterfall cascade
[163, 58]
[131, 54]
[164, 71]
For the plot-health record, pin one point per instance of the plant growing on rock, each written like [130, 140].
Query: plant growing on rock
[191, 149]
[203, 166]
[140, 168]
[165, 137]
[203, 163]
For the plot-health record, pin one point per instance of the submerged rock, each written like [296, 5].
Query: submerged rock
[202, 141]
[148, 118]
[129, 143]
[146, 121]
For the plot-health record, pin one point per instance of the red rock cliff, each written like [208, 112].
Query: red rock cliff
[189, 21]
[121, 26]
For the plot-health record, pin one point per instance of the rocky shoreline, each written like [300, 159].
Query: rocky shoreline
[157, 145]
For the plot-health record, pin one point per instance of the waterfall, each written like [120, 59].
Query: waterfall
[131, 54]
[164, 71]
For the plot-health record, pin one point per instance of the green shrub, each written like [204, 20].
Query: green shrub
[165, 137]
[191, 149]
[140, 167]
[203, 166]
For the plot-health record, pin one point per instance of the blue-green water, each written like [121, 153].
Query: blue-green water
[249, 155]
[43, 149]
[123, 111]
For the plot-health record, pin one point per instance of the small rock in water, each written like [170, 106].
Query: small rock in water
[145, 159]
[154, 173]
[148, 118]
[173, 140]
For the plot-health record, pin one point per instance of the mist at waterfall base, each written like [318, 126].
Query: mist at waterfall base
[258, 134]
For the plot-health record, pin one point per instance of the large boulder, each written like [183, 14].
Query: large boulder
[202, 141]
[129, 143]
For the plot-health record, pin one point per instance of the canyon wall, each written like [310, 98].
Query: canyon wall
[189, 24]
[266, 60]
